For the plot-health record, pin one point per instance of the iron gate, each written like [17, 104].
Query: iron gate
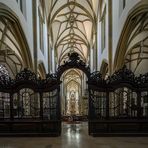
[117, 105]
[29, 105]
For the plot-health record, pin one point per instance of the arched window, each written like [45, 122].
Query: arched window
[41, 25]
[22, 5]
[103, 31]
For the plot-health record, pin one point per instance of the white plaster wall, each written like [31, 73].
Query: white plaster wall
[27, 26]
[42, 57]
[26, 23]
[102, 55]
[119, 20]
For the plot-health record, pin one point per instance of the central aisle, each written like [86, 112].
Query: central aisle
[74, 136]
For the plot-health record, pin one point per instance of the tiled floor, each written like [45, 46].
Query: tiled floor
[75, 136]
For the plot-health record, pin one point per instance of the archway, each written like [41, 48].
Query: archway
[73, 74]
[14, 49]
[132, 46]
[73, 61]
[74, 96]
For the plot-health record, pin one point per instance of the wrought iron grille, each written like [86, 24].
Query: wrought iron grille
[144, 104]
[120, 96]
[98, 104]
[123, 103]
[116, 103]
[4, 105]
[50, 102]
[26, 104]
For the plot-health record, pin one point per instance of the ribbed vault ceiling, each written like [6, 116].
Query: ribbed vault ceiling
[72, 25]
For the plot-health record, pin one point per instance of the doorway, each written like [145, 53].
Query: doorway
[74, 97]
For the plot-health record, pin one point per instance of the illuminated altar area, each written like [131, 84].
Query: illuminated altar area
[73, 103]
[73, 89]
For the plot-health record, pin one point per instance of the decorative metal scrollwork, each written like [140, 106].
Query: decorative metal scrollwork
[5, 82]
[74, 61]
[26, 75]
[122, 75]
[96, 78]
[142, 80]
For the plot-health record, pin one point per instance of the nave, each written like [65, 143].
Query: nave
[74, 136]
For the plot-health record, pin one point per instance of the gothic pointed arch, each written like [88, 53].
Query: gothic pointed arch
[133, 43]
[14, 49]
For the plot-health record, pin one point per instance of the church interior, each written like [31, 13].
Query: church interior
[73, 73]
